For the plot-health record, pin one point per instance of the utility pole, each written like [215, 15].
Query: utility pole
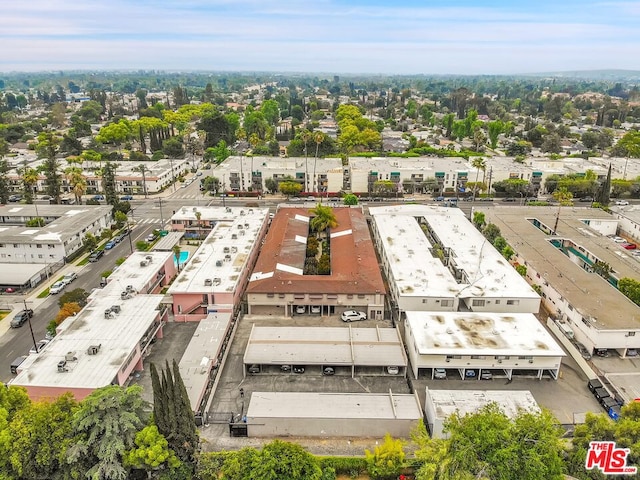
[161, 217]
[490, 175]
[26, 310]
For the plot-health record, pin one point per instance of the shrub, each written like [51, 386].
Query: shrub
[352, 466]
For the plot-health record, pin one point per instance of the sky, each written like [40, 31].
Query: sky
[328, 36]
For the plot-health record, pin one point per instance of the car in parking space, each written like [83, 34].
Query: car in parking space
[586, 354]
[628, 246]
[632, 352]
[110, 244]
[285, 368]
[38, 347]
[353, 316]
[69, 277]
[315, 309]
[150, 238]
[619, 240]
[622, 202]
[509, 199]
[301, 309]
[393, 370]
[21, 317]
[440, 373]
[486, 375]
[298, 369]
[439, 199]
[96, 255]
[126, 197]
[470, 373]
[57, 287]
[328, 371]
[586, 199]
[98, 198]
[15, 198]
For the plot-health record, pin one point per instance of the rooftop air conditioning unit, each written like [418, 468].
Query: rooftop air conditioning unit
[93, 349]
[70, 357]
[234, 249]
[227, 258]
[251, 210]
[218, 263]
[217, 281]
[228, 209]
[234, 236]
[239, 227]
[62, 366]
[130, 288]
[208, 282]
[225, 249]
[144, 263]
[242, 233]
[124, 295]
[246, 225]
[107, 313]
[241, 212]
[115, 308]
[149, 258]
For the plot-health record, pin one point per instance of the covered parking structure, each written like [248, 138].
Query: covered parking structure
[325, 350]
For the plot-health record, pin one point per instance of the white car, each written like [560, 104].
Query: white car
[38, 347]
[301, 309]
[69, 277]
[353, 316]
[622, 202]
[315, 309]
[619, 239]
[57, 287]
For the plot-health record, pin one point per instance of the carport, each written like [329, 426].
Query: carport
[349, 351]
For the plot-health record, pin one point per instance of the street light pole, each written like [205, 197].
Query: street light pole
[26, 310]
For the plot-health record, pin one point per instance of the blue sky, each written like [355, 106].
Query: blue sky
[357, 36]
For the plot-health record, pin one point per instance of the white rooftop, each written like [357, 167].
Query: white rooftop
[325, 346]
[469, 333]
[419, 273]
[376, 406]
[202, 353]
[132, 273]
[217, 264]
[448, 402]
[215, 213]
[117, 338]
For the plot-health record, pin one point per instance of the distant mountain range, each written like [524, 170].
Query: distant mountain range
[606, 75]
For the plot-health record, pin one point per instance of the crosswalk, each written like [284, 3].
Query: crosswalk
[149, 221]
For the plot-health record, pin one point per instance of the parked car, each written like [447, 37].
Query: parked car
[622, 202]
[150, 238]
[119, 238]
[9, 290]
[439, 199]
[96, 255]
[628, 246]
[486, 375]
[328, 371]
[440, 373]
[619, 240]
[602, 352]
[110, 244]
[392, 370]
[586, 354]
[586, 199]
[69, 277]
[315, 309]
[254, 369]
[126, 197]
[98, 198]
[353, 316]
[38, 347]
[301, 309]
[57, 287]
[470, 373]
[15, 198]
[298, 369]
[21, 317]
[509, 199]
[16, 363]
[285, 368]
[632, 352]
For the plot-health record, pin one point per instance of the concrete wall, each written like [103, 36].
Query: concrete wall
[329, 427]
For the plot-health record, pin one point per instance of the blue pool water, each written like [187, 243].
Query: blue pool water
[184, 256]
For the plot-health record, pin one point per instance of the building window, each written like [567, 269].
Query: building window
[497, 302]
[477, 357]
[424, 300]
[360, 295]
[40, 255]
[513, 302]
[477, 303]
[270, 295]
[446, 303]
[349, 296]
[39, 245]
[281, 295]
[632, 334]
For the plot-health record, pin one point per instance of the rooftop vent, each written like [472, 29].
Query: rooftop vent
[217, 281]
[239, 227]
[144, 263]
[234, 236]
[251, 210]
[246, 225]
[234, 249]
[218, 263]
[93, 349]
[225, 249]
[208, 282]
[241, 232]
[227, 258]
[62, 366]
[149, 258]
[108, 313]
[241, 212]
[115, 308]
[228, 209]
[130, 289]
[70, 357]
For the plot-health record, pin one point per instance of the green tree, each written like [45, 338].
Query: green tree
[33, 444]
[387, 459]
[289, 188]
[109, 182]
[350, 199]
[629, 144]
[4, 180]
[115, 133]
[77, 295]
[495, 128]
[384, 187]
[105, 428]
[120, 218]
[176, 252]
[173, 148]
[478, 163]
[211, 184]
[552, 143]
[271, 111]
[219, 153]
[35, 222]
[428, 452]
[322, 218]
[142, 168]
[602, 268]
[279, 460]
[631, 288]
[89, 242]
[47, 148]
[78, 182]
[151, 453]
[478, 220]
[271, 185]
[491, 231]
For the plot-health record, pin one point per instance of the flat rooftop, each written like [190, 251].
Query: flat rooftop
[117, 338]
[216, 213]
[131, 273]
[202, 354]
[69, 220]
[218, 263]
[374, 406]
[280, 265]
[19, 273]
[468, 333]
[448, 402]
[588, 293]
[339, 346]
[276, 164]
[419, 273]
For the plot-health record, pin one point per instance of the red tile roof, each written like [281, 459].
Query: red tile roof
[354, 265]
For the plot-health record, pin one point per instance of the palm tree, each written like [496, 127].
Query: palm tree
[565, 198]
[176, 251]
[198, 217]
[478, 163]
[29, 180]
[77, 181]
[318, 137]
[323, 218]
[305, 136]
[143, 170]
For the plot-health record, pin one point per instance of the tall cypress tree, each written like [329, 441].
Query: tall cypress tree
[187, 433]
[603, 197]
[159, 401]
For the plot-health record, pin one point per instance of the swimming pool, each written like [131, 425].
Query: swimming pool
[184, 256]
